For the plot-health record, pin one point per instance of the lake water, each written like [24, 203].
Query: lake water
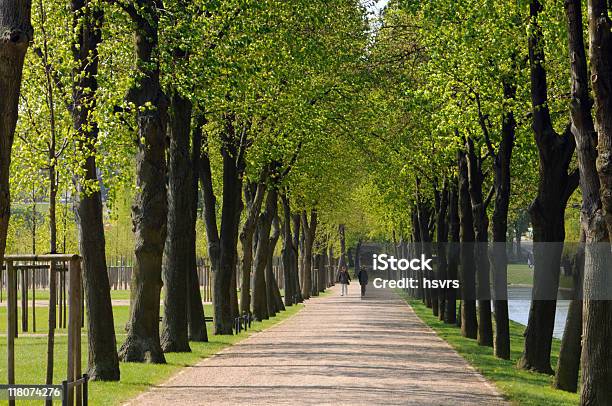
[518, 308]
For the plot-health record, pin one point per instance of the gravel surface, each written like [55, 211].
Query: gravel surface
[337, 350]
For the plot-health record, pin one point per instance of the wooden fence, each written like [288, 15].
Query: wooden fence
[67, 267]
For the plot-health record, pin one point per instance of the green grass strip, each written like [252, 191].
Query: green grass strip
[519, 386]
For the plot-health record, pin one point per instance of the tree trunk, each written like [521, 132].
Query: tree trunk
[15, 36]
[195, 310]
[442, 239]
[499, 258]
[596, 363]
[177, 262]
[469, 323]
[450, 313]
[323, 271]
[233, 168]
[254, 194]
[342, 236]
[425, 215]
[103, 361]
[261, 311]
[309, 229]
[288, 253]
[150, 208]
[358, 257]
[332, 271]
[275, 300]
[481, 228]
[296, 221]
[547, 211]
[568, 365]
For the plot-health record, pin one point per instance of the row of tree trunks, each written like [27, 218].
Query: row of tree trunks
[103, 361]
[555, 185]
[149, 210]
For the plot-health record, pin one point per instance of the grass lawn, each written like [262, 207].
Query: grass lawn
[43, 294]
[30, 357]
[521, 274]
[520, 387]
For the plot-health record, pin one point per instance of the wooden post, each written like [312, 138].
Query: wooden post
[34, 300]
[74, 328]
[14, 287]
[11, 313]
[65, 296]
[24, 300]
[52, 321]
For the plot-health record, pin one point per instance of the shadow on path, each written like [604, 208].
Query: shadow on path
[339, 350]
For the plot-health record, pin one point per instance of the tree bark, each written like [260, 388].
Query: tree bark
[499, 259]
[481, 228]
[555, 186]
[342, 236]
[177, 262]
[233, 169]
[103, 362]
[450, 313]
[254, 194]
[309, 228]
[275, 300]
[358, 256]
[288, 254]
[195, 310]
[323, 271]
[261, 311]
[568, 365]
[296, 222]
[150, 208]
[469, 323]
[596, 363]
[15, 36]
[442, 239]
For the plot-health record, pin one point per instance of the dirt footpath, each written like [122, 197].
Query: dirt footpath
[337, 350]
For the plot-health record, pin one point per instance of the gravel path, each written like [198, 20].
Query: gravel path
[337, 350]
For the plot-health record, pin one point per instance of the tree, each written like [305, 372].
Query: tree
[597, 208]
[555, 186]
[103, 360]
[150, 208]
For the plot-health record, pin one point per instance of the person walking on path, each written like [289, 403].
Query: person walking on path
[344, 278]
[363, 280]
